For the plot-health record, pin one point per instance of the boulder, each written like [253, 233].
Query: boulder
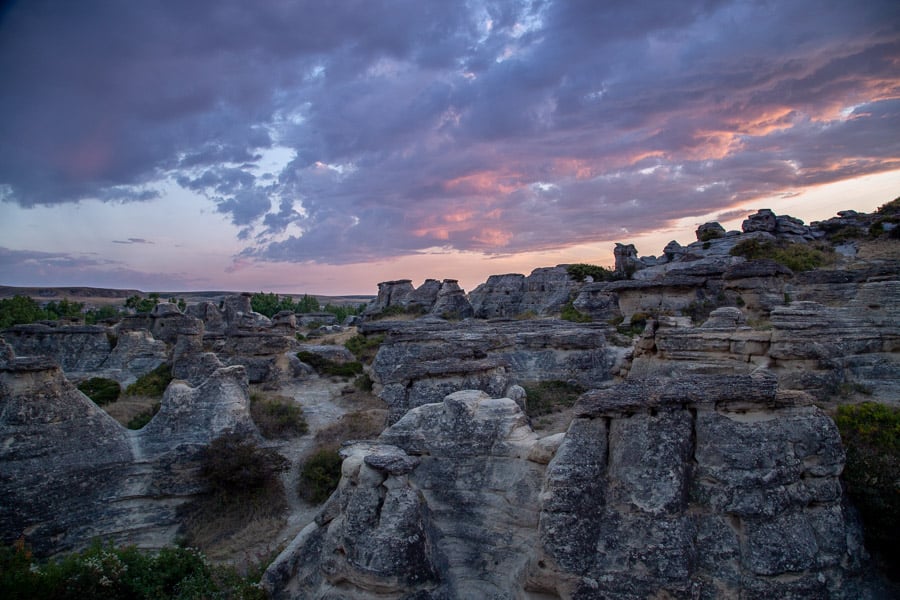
[451, 301]
[764, 220]
[709, 231]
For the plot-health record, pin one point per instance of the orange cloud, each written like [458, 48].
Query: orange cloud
[485, 183]
[494, 237]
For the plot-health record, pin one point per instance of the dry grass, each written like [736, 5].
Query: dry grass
[879, 249]
[127, 407]
[359, 425]
[225, 527]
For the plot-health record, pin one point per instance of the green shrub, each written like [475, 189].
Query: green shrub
[108, 572]
[636, 325]
[139, 420]
[101, 390]
[890, 208]
[152, 384]
[795, 256]
[364, 383]
[277, 417]
[323, 366]
[871, 435]
[545, 397]
[570, 313]
[319, 476]
[364, 348]
[581, 271]
[234, 464]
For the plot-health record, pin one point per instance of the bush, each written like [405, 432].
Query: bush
[581, 271]
[19, 310]
[636, 325]
[323, 366]
[141, 419]
[364, 383]
[319, 476]
[101, 390]
[570, 313]
[795, 256]
[234, 464]
[364, 348]
[152, 384]
[277, 417]
[545, 397]
[104, 571]
[871, 435]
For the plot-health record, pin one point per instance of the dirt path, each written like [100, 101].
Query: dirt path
[317, 397]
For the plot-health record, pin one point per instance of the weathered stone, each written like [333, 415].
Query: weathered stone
[390, 293]
[420, 361]
[451, 302]
[499, 296]
[423, 297]
[76, 348]
[709, 231]
[763, 220]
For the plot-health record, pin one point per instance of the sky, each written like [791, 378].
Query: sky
[323, 147]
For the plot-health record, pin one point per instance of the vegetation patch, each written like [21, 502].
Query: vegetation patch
[545, 397]
[570, 313]
[323, 366]
[358, 425]
[635, 326]
[871, 435]
[413, 310]
[364, 383]
[105, 571]
[277, 416]
[101, 390]
[139, 420]
[245, 496]
[363, 347]
[320, 476]
[152, 384]
[581, 271]
[793, 255]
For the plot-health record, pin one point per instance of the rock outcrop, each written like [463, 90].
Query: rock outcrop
[421, 361]
[543, 292]
[70, 473]
[701, 487]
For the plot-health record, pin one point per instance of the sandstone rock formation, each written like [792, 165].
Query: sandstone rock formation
[422, 361]
[70, 473]
[702, 487]
[543, 292]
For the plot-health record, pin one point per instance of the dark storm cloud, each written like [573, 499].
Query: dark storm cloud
[491, 126]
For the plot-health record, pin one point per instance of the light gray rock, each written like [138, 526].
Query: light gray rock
[499, 296]
[451, 302]
[698, 487]
[75, 348]
[420, 362]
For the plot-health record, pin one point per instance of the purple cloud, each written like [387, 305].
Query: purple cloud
[497, 127]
